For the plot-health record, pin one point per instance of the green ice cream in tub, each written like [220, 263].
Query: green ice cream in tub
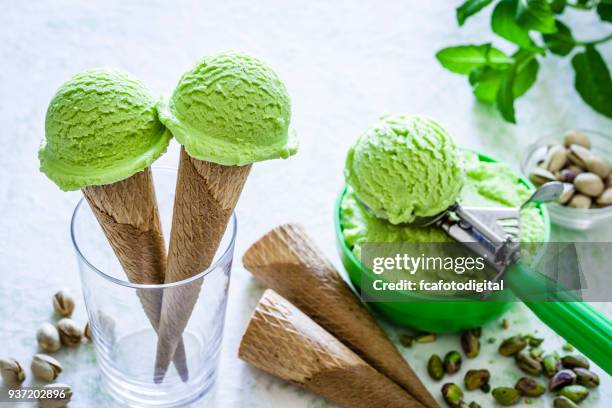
[477, 179]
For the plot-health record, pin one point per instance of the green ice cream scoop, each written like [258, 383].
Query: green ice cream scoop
[231, 109]
[403, 167]
[101, 127]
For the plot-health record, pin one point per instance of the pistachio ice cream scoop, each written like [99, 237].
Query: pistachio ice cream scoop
[403, 167]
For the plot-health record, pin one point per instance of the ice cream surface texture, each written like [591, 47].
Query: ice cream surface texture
[231, 109]
[486, 184]
[101, 127]
[403, 167]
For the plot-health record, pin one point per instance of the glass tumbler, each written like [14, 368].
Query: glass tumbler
[124, 340]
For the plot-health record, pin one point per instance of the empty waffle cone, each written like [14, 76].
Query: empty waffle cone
[284, 342]
[206, 194]
[288, 261]
[128, 214]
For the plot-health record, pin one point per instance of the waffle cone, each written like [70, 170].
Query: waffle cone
[284, 342]
[206, 194]
[288, 261]
[128, 214]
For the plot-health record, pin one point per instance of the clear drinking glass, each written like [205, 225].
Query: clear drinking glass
[124, 340]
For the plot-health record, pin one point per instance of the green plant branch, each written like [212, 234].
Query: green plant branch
[595, 42]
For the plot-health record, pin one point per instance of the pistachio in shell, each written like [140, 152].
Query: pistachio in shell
[556, 158]
[575, 137]
[578, 155]
[541, 176]
[589, 184]
[605, 198]
[45, 368]
[580, 201]
[598, 165]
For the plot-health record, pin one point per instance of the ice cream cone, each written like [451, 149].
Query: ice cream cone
[288, 261]
[127, 212]
[285, 342]
[206, 194]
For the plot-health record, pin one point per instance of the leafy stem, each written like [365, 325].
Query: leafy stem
[595, 42]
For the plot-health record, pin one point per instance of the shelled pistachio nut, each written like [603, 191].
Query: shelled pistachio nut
[568, 175]
[435, 367]
[529, 387]
[512, 346]
[574, 360]
[589, 184]
[11, 371]
[576, 393]
[541, 176]
[63, 397]
[586, 377]
[575, 137]
[605, 198]
[563, 402]
[580, 201]
[452, 362]
[562, 379]
[63, 303]
[578, 155]
[45, 368]
[470, 344]
[452, 394]
[527, 363]
[506, 396]
[48, 338]
[70, 332]
[551, 363]
[474, 404]
[475, 379]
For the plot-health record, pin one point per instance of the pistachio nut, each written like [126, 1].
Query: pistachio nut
[573, 361]
[586, 377]
[563, 402]
[435, 367]
[568, 175]
[532, 340]
[452, 394]
[551, 363]
[527, 363]
[556, 158]
[562, 379]
[576, 393]
[48, 338]
[425, 338]
[475, 379]
[541, 176]
[87, 331]
[537, 353]
[474, 404]
[61, 400]
[529, 387]
[598, 165]
[512, 346]
[485, 388]
[609, 181]
[575, 137]
[406, 341]
[70, 332]
[605, 198]
[452, 362]
[470, 344]
[506, 396]
[568, 192]
[589, 184]
[45, 368]
[11, 371]
[580, 201]
[578, 155]
[63, 303]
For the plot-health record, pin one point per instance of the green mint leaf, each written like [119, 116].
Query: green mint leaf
[605, 11]
[593, 81]
[536, 15]
[505, 95]
[485, 83]
[562, 42]
[504, 24]
[526, 73]
[558, 6]
[469, 8]
[463, 59]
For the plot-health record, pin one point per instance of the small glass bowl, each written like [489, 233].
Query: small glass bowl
[574, 218]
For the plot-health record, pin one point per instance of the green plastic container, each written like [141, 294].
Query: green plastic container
[428, 313]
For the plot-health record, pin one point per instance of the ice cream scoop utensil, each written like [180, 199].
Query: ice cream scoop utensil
[495, 234]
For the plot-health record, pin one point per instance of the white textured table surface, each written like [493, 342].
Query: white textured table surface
[344, 63]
